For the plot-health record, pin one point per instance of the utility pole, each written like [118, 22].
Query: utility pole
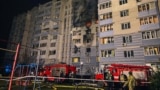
[13, 67]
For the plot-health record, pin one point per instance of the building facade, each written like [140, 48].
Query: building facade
[49, 34]
[69, 31]
[129, 32]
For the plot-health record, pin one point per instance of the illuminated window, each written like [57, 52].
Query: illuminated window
[75, 59]
[107, 53]
[97, 59]
[152, 50]
[106, 16]
[107, 40]
[107, 27]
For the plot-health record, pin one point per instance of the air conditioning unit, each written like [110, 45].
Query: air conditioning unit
[124, 44]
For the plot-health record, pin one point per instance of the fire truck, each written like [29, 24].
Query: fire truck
[141, 73]
[58, 70]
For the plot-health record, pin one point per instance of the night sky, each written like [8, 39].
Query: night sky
[9, 9]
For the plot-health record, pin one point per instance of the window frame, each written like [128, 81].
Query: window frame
[128, 53]
[127, 39]
[126, 25]
[121, 2]
[124, 13]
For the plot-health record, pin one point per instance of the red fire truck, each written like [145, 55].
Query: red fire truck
[141, 73]
[58, 70]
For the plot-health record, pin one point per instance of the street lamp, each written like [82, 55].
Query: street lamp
[81, 65]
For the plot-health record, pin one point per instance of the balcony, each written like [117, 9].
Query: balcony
[147, 13]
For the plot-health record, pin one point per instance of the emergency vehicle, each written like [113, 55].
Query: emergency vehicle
[141, 73]
[58, 70]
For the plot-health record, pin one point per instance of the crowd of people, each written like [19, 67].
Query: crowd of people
[126, 83]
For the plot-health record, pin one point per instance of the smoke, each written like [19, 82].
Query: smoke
[84, 11]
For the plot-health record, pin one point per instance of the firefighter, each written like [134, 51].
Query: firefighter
[61, 76]
[131, 82]
[122, 78]
[71, 75]
[109, 77]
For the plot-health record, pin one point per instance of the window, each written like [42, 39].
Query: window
[128, 54]
[151, 34]
[106, 16]
[34, 53]
[124, 13]
[122, 2]
[43, 52]
[53, 44]
[107, 40]
[55, 37]
[139, 0]
[88, 49]
[43, 44]
[76, 41]
[158, 33]
[146, 7]
[127, 39]
[107, 53]
[75, 59]
[75, 33]
[53, 52]
[44, 37]
[125, 26]
[152, 50]
[105, 5]
[107, 27]
[35, 45]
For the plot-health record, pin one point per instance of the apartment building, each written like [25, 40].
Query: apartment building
[59, 31]
[129, 32]
[21, 32]
[85, 37]
[16, 35]
[85, 48]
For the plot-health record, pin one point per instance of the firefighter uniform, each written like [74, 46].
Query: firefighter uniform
[122, 78]
[109, 77]
[131, 82]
